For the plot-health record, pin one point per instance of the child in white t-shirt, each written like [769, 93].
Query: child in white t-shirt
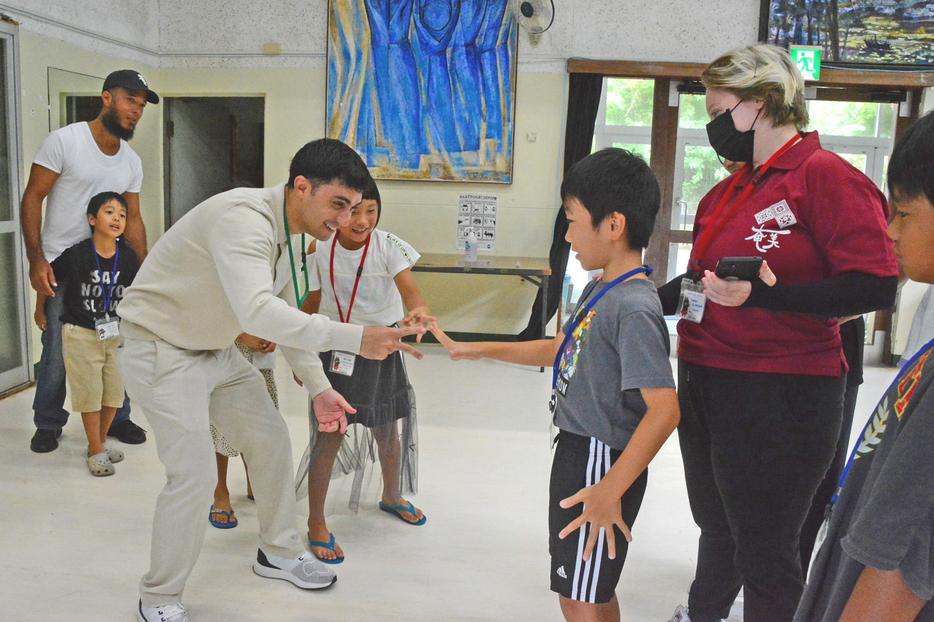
[363, 276]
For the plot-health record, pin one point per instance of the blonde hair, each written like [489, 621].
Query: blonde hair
[763, 72]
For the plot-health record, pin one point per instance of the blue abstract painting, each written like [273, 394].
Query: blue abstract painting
[424, 89]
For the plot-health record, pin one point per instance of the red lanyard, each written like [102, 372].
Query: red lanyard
[718, 223]
[355, 283]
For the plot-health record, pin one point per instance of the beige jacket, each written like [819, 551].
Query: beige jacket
[224, 269]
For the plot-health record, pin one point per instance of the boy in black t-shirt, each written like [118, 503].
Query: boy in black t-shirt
[96, 271]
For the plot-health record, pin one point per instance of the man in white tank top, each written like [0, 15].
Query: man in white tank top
[73, 164]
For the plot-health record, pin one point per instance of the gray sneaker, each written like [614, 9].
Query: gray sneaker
[166, 613]
[304, 571]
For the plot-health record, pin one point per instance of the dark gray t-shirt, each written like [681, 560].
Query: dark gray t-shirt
[884, 518]
[621, 346]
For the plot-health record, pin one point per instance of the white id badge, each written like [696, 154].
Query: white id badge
[342, 362]
[107, 328]
[692, 301]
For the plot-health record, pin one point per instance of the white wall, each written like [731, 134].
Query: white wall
[231, 33]
[126, 29]
[214, 48]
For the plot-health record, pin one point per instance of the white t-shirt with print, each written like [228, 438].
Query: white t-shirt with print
[378, 302]
[83, 171]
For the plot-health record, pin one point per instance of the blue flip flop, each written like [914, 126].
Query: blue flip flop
[325, 545]
[230, 524]
[396, 510]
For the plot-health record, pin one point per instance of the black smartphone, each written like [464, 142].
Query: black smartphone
[738, 268]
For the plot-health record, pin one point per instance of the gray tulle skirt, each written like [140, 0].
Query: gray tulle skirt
[385, 404]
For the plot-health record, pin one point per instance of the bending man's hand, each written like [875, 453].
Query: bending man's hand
[42, 277]
[602, 511]
[330, 410]
[379, 341]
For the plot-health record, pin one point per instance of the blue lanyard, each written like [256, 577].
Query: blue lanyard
[898, 378]
[582, 313]
[106, 294]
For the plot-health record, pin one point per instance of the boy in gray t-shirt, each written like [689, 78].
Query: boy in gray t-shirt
[877, 562]
[613, 398]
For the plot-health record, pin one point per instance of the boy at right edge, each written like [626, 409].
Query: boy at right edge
[613, 393]
[877, 561]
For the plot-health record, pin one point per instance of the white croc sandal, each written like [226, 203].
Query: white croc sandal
[100, 465]
[115, 455]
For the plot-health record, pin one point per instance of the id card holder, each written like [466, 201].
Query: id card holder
[692, 301]
[107, 328]
[342, 362]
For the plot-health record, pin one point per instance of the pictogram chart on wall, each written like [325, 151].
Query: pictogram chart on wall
[477, 212]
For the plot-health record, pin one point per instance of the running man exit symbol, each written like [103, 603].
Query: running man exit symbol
[807, 60]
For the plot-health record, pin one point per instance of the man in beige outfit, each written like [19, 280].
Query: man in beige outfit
[224, 269]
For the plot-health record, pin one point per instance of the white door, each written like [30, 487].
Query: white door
[15, 349]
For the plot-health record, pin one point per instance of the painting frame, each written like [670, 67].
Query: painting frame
[423, 94]
[873, 43]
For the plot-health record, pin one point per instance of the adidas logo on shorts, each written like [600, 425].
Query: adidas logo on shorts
[562, 573]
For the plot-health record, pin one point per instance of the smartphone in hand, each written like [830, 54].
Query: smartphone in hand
[738, 268]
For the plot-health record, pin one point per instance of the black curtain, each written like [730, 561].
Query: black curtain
[583, 102]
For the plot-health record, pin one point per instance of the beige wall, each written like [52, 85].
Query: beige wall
[424, 213]
[37, 55]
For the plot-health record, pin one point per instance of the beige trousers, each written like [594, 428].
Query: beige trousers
[182, 392]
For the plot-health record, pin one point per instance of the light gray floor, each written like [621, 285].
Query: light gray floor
[74, 546]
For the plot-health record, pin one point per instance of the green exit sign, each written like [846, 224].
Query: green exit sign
[807, 58]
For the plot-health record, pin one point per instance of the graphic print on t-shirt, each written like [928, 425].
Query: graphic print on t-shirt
[92, 292]
[568, 364]
[895, 400]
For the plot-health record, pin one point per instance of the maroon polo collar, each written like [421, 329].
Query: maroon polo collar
[794, 157]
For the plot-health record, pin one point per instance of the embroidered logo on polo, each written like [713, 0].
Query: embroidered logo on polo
[568, 365]
[780, 212]
[767, 238]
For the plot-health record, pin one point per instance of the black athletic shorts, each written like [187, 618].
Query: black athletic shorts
[580, 462]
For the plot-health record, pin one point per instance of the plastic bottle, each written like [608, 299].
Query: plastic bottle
[470, 246]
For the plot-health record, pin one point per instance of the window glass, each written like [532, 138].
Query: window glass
[629, 102]
[862, 119]
[692, 112]
[642, 150]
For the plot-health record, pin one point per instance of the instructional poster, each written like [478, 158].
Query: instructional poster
[477, 212]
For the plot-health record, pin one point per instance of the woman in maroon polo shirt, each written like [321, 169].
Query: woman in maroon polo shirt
[761, 371]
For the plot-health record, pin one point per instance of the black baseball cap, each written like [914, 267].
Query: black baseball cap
[131, 81]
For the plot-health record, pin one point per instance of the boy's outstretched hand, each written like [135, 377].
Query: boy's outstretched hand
[456, 350]
[602, 511]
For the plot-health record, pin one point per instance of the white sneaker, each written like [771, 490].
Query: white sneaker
[681, 615]
[304, 571]
[166, 613]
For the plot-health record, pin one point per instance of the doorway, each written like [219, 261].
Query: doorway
[212, 144]
[15, 348]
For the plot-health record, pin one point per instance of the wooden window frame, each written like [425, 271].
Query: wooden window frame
[835, 85]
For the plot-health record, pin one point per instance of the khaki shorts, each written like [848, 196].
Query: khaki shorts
[91, 368]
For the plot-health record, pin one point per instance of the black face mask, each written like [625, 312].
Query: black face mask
[729, 142]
